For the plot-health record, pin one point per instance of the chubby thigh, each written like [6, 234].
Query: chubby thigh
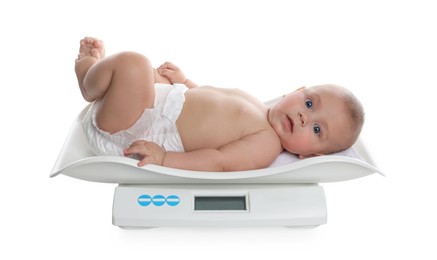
[130, 90]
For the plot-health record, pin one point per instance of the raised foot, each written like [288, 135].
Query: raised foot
[91, 47]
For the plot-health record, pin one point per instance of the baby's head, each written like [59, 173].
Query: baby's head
[317, 120]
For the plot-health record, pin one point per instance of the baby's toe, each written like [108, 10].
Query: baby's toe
[95, 53]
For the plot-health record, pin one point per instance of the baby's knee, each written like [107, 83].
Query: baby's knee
[133, 59]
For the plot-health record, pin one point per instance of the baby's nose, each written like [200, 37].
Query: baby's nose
[303, 118]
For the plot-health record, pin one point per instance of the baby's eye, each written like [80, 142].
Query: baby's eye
[309, 103]
[316, 129]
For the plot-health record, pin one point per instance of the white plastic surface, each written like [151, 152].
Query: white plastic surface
[290, 205]
[77, 160]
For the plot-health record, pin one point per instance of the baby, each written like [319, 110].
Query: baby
[163, 118]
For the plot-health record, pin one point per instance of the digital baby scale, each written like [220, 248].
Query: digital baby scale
[285, 194]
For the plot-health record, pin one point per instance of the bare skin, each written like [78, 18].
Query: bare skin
[221, 129]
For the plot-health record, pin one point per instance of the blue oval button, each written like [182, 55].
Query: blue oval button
[158, 200]
[173, 200]
[144, 200]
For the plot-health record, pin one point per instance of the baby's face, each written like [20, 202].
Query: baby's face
[311, 121]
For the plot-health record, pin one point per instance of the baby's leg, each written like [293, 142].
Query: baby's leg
[90, 52]
[125, 84]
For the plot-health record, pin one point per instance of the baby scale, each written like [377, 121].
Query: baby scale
[287, 194]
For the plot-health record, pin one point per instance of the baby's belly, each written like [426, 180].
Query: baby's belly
[207, 132]
[214, 117]
[210, 140]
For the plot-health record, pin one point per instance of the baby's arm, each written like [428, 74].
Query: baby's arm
[175, 74]
[251, 152]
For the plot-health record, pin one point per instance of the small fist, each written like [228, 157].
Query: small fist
[148, 152]
[172, 72]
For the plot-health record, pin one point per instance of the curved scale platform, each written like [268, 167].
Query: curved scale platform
[78, 160]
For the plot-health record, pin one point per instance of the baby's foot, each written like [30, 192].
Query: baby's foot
[91, 47]
[91, 50]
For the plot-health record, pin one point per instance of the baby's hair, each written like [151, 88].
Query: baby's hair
[355, 111]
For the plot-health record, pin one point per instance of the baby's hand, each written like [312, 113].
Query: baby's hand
[172, 72]
[149, 153]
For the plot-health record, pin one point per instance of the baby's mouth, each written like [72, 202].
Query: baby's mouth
[289, 123]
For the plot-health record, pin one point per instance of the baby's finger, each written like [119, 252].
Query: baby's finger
[165, 65]
[145, 160]
[165, 72]
[169, 64]
[127, 152]
[139, 142]
[133, 150]
[142, 162]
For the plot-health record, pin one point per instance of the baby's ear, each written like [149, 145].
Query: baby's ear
[299, 89]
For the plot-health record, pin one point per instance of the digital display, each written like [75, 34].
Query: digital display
[220, 203]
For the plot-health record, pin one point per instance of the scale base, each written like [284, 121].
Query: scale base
[219, 205]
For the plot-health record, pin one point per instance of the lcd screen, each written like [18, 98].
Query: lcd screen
[220, 203]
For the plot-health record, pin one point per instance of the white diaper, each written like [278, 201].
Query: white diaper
[156, 125]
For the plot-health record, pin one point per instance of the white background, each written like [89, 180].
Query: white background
[384, 51]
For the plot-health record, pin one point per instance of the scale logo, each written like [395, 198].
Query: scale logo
[158, 200]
